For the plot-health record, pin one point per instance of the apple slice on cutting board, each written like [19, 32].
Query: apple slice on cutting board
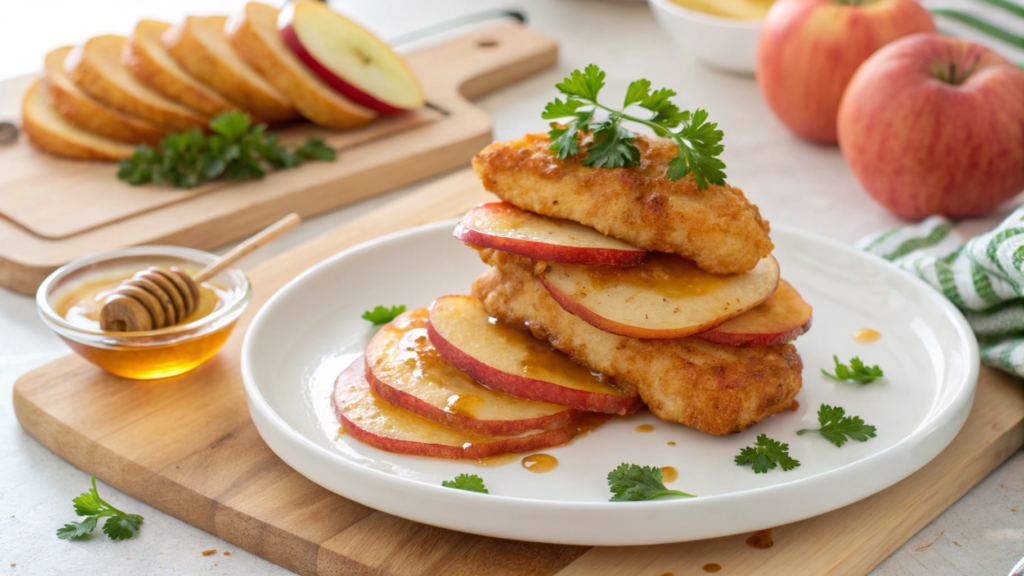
[665, 297]
[504, 358]
[350, 59]
[50, 131]
[505, 227]
[371, 420]
[781, 319]
[404, 368]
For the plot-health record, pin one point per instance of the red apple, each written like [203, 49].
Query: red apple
[809, 50]
[505, 227]
[665, 297]
[373, 421]
[403, 368]
[935, 125]
[349, 59]
[504, 358]
[781, 319]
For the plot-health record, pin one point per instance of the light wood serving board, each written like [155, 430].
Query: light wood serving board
[54, 210]
[187, 446]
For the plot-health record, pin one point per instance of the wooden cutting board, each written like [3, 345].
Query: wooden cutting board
[54, 210]
[187, 446]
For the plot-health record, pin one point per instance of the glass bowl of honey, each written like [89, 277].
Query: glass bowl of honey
[69, 302]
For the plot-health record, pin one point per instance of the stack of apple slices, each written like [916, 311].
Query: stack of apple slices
[96, 100]
[624, 290]
[405, 395]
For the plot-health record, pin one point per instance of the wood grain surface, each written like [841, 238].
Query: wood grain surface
[378, 158]
[186, 445]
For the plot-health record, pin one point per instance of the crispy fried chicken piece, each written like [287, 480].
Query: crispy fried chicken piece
[710, 387]
[717, 228]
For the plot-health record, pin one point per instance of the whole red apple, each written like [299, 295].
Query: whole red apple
[809, 50]
[935, 125]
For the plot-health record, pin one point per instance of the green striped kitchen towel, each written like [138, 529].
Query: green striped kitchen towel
[983, 277]
[996, 24]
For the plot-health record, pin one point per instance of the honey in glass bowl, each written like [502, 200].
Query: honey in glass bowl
[70, 300]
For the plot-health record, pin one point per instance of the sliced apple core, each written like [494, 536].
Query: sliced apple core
[373, 421]
[350, 59]
[505, 227]
[504, 358]
[781, 319]
[405, 369]
[665, 297]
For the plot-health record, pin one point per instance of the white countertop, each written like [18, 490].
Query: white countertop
[793, 182]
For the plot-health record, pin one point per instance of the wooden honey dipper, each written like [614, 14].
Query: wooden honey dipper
[159, 297]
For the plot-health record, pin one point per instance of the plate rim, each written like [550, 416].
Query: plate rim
[262, 413]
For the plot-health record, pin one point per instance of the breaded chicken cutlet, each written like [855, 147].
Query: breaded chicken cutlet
[717, 227]
[714, 388]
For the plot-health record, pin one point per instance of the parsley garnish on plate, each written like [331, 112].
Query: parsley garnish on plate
[236, 150]
[613, 147]
[837, 427]
[381, 315]
[119, 525]
[632, 483]
[765, 455]
[857, 371]
[470, 482]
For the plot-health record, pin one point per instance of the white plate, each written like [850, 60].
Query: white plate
[311, 329]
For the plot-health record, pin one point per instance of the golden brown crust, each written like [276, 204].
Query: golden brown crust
[717, 228]
[714, 388]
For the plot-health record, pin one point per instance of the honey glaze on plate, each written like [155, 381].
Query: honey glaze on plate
[866, 335]
[542, 363]
[540, 463]
[644, 428]
[666, 274]
[669, 474]
[712, 567]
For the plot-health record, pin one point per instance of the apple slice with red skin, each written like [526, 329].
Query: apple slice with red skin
[505, 227]
[781, 319]
[371, 420]
[349, 59]
[404, 368]
[665, 297]
[504, 358]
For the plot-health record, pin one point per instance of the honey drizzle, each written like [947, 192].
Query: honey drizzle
[669, 474]
[866, 335]
[712, 567]
[762, 539]
[540, 463]
[645, 428]
[667, 274]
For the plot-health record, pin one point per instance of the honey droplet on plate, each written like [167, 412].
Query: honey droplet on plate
[540, 463]
[645, 428]
[669, 474]
[712, 567]
[762, 539]
[671, 443]
[866, 335]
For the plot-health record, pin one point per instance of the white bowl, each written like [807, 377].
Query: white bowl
[726, 43]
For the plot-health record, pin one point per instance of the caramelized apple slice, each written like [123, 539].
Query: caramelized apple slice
[504, 358]
[782, 318]
[502, 226]
[367, 418]
[665, 297]
[404, 368]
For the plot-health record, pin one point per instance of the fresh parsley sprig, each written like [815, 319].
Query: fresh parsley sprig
[470, 482]
[381, 315]
[632, 483]
[765, 455]
[857, 371]
[235, 150]
[837, 427]
[698, 140]
[119, 525]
